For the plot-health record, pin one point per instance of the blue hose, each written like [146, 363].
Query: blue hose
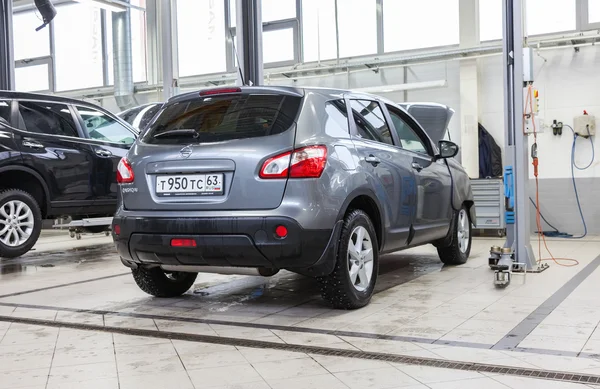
[573, 167]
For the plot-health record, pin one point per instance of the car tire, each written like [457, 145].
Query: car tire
[350, 286]
[157, 283]
[458, 250]
[20, 222]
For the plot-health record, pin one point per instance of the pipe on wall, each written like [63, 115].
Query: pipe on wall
[123, 59]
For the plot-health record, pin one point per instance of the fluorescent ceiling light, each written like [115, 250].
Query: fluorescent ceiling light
[105, 4]
[404, 87]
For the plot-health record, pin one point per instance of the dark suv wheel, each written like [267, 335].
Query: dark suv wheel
[457, 251]
[158, 283]
[20, 222]
[352, 282]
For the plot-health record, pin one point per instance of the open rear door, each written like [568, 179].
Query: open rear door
[432, 116]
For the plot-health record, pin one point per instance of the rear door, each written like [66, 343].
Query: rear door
[110, 141]
[8, 151]
[204, 152]
[390, 166]
[50, 143]
[433, 211]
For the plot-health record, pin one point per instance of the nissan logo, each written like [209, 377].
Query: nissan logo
[185, 152]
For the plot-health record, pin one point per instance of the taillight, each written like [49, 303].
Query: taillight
[306, 162]
[176, 242]
[124, 172]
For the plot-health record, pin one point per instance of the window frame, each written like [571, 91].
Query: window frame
[20, 123]
[414, 126]
[86, 135]
[583, 17]
[352, 123]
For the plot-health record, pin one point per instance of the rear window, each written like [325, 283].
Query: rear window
[223, 118]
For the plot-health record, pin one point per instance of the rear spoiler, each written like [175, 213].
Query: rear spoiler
[433, 117]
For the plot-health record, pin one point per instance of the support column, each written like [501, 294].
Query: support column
[517, 153]
[170, 69]
[7, 60]
[249, 42]
[469, 88]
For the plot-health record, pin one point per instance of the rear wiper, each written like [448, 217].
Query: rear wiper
[185, 132]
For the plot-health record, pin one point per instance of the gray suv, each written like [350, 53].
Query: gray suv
[320, 182]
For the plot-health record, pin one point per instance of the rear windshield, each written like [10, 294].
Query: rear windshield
[222, 118]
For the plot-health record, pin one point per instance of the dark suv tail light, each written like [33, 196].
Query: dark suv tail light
[124, 172]
[306, 162]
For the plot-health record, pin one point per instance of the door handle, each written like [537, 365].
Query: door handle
[32, 144]
[417, 167]
[373, 160]
[103, 153]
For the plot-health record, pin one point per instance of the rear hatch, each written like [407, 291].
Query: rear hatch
[205, 151]
[434, 118]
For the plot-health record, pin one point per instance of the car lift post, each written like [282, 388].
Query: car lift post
[7, 62]
[249, 42]
[516, 176]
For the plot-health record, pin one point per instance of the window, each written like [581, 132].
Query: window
[47, 118]
[148, 114]
[272, 10]
[409, 140]
[201, 30]
[548, 16]
[594, 11]
[32, 78]
[357, 25]
[278, 45]
[318, 34]
[28, 42]
[223, 118]
[78, 47]
[4, 112]
[336, 124]
[490, 20]
[370, 121]
[407, 24]
[100, 126]
[138, 45]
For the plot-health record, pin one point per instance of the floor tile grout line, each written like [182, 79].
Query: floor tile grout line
[501, 383]
[115, 355]
[187, 373]
[52, 360]
[420, 361]
[588, 339]
[4, 335]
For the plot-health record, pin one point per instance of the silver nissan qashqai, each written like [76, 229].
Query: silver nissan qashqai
[320, 182]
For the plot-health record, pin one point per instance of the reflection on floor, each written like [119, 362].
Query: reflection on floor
[421, 310]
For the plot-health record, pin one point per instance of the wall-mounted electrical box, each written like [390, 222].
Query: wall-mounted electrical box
[527, 64]
[532, 122]
[585, 125]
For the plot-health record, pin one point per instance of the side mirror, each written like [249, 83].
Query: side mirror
[447, 149]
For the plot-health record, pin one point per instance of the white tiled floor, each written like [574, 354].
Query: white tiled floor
[419, 307]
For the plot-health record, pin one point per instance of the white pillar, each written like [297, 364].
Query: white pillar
[469, 93]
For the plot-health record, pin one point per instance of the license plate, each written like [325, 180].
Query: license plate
[189, 185]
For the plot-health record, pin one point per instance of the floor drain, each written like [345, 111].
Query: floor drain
[409, 360]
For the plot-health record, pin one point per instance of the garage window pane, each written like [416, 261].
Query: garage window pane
[78, 45]
[28, 42]
[594, 11]
[278, 45]
[490, 20]
[272, 10]
[318, 19]
[548, 16]
[138, 43]
[32, 78]
[407, 24]
[201, 30]
[357, 21]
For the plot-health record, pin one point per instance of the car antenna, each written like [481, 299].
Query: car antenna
[238, 59]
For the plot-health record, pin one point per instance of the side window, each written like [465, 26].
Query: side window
[409, 140]
[100, 126]
[337, 118]
[4, 112]
[370, 121]
[47, 118]
[149, 115]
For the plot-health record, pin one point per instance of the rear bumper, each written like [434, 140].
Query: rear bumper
[226, 241]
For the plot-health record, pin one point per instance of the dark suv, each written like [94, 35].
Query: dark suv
[58, 157]
[319, 182]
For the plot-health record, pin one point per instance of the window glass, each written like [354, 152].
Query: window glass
[548, 16]
[78, 47]
[138, 43]
[594, 11]
[222, 118]
[47, 118]
[490, 20]
[100, 126]
[278, 45]
[32, 78]
[148, 115]
[272, 10]
[336, 123]
[357, 25]
[409, 140]
[370, 121]
[29, 43]
[201, 30]
[407, 24]
[4, 112]
[318, 34]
